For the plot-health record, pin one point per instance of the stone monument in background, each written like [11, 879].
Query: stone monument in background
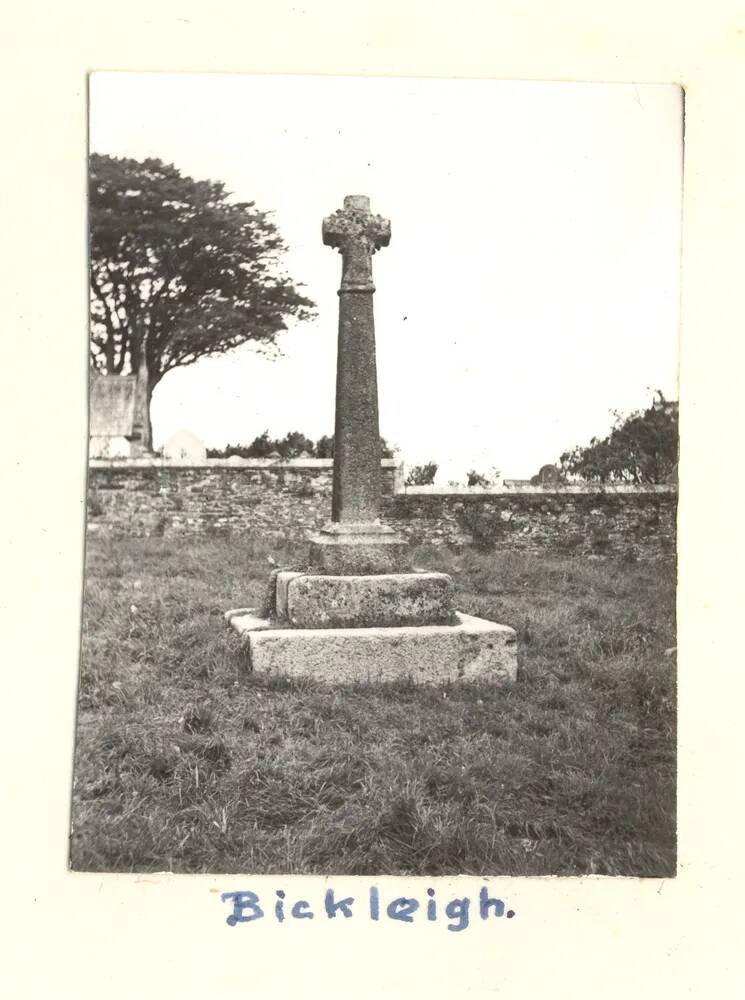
[117, 417]
[357, 611]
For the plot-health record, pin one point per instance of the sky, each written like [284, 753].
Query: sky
[532, 281]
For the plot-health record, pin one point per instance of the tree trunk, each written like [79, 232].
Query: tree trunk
[148, 422]
[153, 378]
[143, 394]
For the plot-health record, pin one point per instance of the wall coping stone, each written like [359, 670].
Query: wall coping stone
[222, 463]
[502, 490]
[399, 488]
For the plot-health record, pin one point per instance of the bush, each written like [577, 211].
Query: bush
[422, 475]
[477, 479]
[484, 527]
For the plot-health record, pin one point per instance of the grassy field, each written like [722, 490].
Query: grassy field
[186, 762]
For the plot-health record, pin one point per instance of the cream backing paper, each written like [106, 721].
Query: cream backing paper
[73, 935]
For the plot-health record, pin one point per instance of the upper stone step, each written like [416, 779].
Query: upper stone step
[305, 600]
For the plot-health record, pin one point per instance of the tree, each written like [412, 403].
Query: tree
[292, 445]
[422, 475]
[642, 447]
[179, 272]
[325, 447]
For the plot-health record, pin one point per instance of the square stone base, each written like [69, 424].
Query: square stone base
[359, 550]
[308, 600]
[471, 650]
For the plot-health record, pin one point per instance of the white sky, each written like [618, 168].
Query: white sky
[532, 280]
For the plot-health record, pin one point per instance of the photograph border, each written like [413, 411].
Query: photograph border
[635, 934]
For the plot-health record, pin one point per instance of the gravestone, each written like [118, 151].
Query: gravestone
[549, 475]
[116, 427]
[357, 611]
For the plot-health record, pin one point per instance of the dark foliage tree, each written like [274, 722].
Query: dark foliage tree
[325, 447]
[292, 445]
[179, 271]
[642, 447]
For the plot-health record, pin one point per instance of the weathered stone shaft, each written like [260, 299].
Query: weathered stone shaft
[356, 233]
[355, 541]
[356, 494]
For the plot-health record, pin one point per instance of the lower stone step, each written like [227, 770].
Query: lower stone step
[471, 650]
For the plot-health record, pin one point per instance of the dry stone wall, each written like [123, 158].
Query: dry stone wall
[150, 497]
[291, 499]
[638, 523]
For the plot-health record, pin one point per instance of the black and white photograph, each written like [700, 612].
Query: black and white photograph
[382, 490]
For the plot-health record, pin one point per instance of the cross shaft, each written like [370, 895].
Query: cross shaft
[355, 540]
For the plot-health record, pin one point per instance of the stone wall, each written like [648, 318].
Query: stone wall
[154, 497]
[290, 499]
[621, 522]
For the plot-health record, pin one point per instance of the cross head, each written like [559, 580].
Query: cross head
[356, 233]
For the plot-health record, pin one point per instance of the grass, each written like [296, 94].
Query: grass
[186, 762]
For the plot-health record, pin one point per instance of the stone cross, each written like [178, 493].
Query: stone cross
[356, 611]
[355, 540]
[356, 233]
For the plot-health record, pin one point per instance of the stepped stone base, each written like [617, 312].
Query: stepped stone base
[304, 600]
[471, 650]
